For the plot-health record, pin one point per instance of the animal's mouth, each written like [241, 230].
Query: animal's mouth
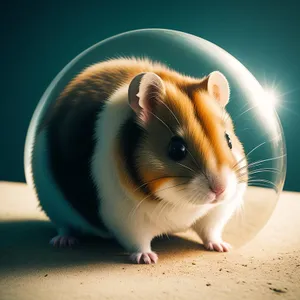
[211, 198]
[214, 198]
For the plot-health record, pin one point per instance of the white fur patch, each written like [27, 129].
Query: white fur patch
[133, 221]
[182, 208]
[108, 124]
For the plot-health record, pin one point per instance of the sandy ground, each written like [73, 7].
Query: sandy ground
[266, 268]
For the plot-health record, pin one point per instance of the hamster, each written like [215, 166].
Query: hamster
[131, 149]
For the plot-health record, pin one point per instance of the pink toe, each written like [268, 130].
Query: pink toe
[62, 242]
[136, 257]
[139, 258]
[53, 241]
[209, 246]
[218, 247]
[153, 256]
[146, 259]
[225, 248]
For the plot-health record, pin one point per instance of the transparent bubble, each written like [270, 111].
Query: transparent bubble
[255, 119]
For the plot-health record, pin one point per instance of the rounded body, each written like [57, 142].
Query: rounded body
[100, 159]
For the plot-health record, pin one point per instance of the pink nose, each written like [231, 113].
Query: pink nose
[218, 190]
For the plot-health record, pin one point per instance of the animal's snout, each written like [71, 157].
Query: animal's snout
[218, 190]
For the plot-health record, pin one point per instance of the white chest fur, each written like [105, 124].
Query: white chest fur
[117, 208]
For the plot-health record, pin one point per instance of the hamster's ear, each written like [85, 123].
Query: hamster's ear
[144, 92]
[218, 87]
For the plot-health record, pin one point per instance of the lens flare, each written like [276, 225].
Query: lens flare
[271, 96]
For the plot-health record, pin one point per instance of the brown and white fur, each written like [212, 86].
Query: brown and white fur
[100, 162]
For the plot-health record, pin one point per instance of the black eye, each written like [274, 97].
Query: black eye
[228, 140]
[177, 149]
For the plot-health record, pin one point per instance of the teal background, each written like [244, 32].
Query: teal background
[39, 38]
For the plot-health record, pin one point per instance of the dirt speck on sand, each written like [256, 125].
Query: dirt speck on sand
[280, 291]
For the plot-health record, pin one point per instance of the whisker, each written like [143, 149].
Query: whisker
[249, 154]
[179, 202]
[243, 181]
[150, 195]
[255, 148]
[247, 166]
[226, 115]
[195, 196]
[266, 170]
[159, 207]
[163, 177]
[243, 107]
[263, 185]
[241, 114]
[196, 163]
[259, 162]
[170, 111]
[166, 204]
[184, 166]
[262, 181]
[163, 103]
[161, 121]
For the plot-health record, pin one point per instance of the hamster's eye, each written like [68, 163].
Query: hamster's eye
[228, 140]
[177, 149]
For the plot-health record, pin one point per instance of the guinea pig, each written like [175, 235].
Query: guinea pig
[131, 149]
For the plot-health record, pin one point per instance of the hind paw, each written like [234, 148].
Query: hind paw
[144, 258]
[63, 241]
[218, 246]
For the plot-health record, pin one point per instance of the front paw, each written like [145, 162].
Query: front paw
[217, 245]
[144, 257]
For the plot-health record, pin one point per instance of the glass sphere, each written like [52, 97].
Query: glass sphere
[255, 119]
